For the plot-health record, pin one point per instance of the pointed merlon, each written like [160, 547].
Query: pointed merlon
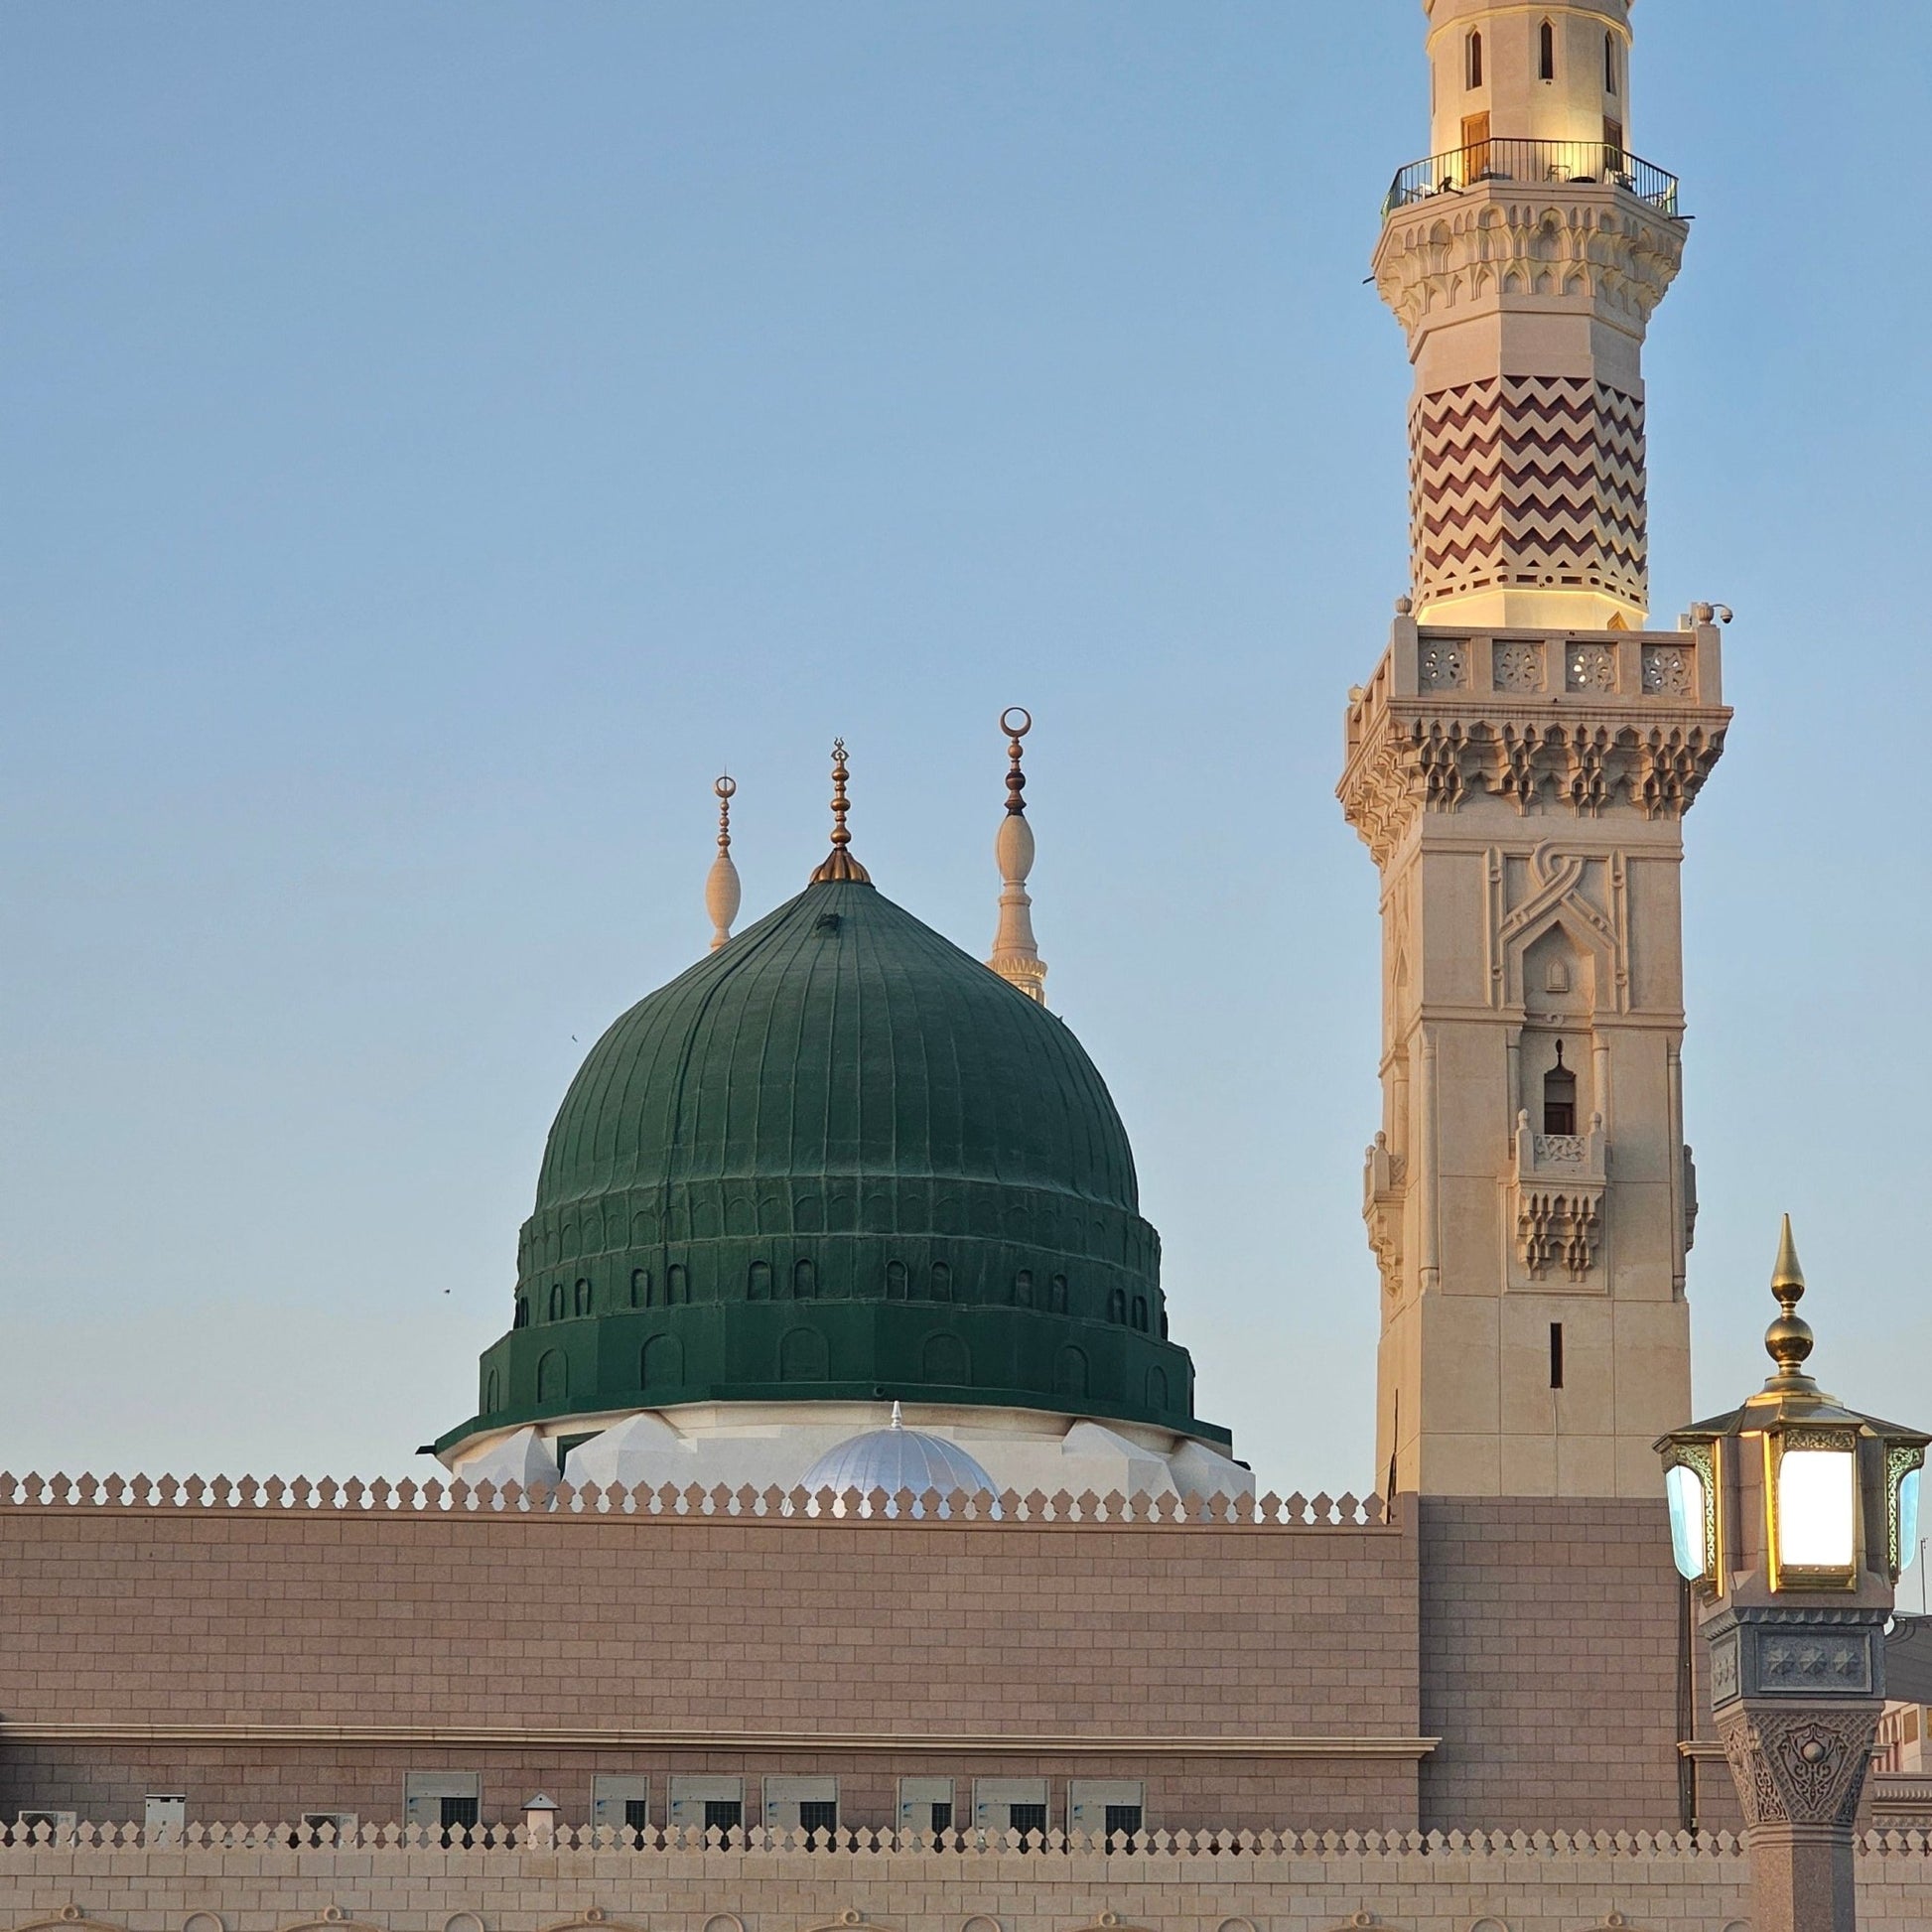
[840, 865]
[722, 892]
[1015, 956]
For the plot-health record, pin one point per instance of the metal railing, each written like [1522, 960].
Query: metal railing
[1580, 161]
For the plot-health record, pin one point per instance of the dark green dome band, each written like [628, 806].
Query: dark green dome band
[838, 1159]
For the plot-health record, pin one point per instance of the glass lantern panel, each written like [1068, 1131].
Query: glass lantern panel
[1685, 1488]
[1818, 1509]
[1908, 1519]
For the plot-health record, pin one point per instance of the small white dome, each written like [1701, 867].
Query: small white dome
[899, 1461]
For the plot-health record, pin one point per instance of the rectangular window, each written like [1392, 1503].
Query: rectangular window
[1109, 1808]
[1010, 1804]
[456, 1818]
[1556, 1355]
[794, 1804]
[424, 1794]
[620, 1801]
[45, 1827]
[925, 1804]
[702, 1804]
[325, 1828]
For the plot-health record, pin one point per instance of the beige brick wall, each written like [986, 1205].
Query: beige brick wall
[1304, 1887]
[274, 1660]
[1550, 1666]
[539, 1628]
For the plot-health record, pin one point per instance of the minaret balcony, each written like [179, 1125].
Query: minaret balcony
[1578, 722]
[1558, 1192]
[1575, 163]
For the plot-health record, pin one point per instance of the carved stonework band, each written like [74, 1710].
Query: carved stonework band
[1799, 1768]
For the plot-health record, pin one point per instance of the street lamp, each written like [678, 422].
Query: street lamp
[1793, 1518]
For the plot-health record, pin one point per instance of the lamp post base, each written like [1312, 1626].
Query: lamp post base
[1801, 1878]
[1800, 1769]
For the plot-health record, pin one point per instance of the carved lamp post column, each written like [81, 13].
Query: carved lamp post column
[1792, 1518]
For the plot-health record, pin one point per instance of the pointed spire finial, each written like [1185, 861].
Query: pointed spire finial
[722, 893]
[1788, 1341]
[840, 864]
[1015, 956]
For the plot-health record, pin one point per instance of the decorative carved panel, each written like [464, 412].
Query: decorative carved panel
[1798, 1768]
[1669, 670]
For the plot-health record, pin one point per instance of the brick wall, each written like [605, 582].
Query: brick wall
[512, 1642]
[1550, 1665]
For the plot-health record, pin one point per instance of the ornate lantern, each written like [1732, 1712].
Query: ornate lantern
[1792, 1518]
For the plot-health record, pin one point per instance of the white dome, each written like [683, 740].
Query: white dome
[899, 1461]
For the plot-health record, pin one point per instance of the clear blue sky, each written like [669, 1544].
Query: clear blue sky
[441, 438]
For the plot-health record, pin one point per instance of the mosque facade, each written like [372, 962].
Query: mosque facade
[839, 1539]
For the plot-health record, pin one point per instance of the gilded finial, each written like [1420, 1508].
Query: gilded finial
[1788, 1341]
[1016, 955]
[722, 892]
[840, 864]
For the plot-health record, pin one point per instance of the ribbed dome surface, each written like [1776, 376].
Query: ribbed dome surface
[900, 1462]
[839, 1036]
[838, 1159]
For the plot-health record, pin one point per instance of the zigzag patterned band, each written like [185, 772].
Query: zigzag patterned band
[1531, 481]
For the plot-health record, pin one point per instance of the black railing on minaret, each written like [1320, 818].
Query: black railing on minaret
[1579, 163]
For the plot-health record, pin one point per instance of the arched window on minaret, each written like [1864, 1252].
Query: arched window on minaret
[1559, 1098]
[1474, 75]
[1545, 51]
[1609, 63]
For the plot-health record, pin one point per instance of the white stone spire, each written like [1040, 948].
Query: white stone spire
[722, 892]
[1016, 957]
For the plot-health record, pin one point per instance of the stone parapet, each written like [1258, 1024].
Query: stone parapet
[960, 1509]
[1569, 724]
[252, 1880]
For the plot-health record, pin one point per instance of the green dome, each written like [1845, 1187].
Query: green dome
[836, 1159]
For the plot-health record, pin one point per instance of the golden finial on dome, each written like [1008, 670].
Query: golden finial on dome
[840, 864]
[1788, 1341]
[722, 893]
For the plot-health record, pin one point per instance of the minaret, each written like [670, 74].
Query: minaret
[1524, 259]
[1519, 766]
[722, 892]
[1015, 956]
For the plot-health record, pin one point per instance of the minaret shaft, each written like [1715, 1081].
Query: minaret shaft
[1524, 258]
[1519, 766]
